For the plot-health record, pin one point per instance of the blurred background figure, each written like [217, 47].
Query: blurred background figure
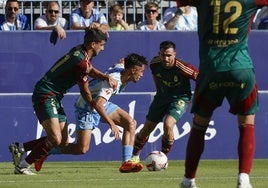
[181, 19]
[52, 20]
[116, 15]
[260, 20]
[88, 17]
[13, 20]
[151, 22]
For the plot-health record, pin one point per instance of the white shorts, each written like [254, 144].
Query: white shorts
[90, 119]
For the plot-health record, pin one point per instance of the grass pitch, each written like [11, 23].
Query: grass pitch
[211, 174]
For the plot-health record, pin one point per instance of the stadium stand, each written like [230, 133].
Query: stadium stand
[133, 9]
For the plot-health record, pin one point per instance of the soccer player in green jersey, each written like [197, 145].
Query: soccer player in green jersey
[73, 68]
[226, 71]
[173, 94]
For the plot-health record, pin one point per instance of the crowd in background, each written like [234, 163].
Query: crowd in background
[86, 15]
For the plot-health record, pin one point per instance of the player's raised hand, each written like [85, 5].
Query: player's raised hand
[112, 82]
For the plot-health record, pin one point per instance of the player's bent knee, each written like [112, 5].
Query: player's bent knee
[132, 125]
[169, 126]
[54, 142]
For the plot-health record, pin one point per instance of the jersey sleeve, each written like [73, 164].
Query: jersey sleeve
[154, 63]
[261, 2]
[81, 71]
[186, 69]
[106, 91]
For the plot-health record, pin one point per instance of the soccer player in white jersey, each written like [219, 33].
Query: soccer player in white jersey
[129, 69]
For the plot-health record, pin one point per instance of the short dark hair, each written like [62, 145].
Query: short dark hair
[167, 44]
[8, 1]
[11, 1]
[94, 35]
[116, 8]
[149, 5]
[50, 2]
[87, 0]
[134, 59]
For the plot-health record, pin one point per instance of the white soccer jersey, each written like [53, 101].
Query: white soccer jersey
[102, 88]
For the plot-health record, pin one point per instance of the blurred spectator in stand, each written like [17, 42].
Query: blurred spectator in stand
[120, 2]
[116, 15]
[263, 24]
[151, 22]
[260, 16]
[88, 17]
[52, 20]
[13, 20]
[181, 19]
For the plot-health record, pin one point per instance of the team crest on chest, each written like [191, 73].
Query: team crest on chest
[76, 53]
[158, 75]
[175, 78]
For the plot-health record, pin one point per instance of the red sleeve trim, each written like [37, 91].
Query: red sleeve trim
[261, 2]
[187, 69]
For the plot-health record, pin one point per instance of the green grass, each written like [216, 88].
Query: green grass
[211, 174]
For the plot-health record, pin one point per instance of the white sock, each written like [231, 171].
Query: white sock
[243, 178]
[188, 181]
[136, 156]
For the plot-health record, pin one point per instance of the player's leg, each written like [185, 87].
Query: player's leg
[17, 150]
[64, 140]
[142, 138]
[86, 121]
[168, 136]
[157, 111]
[204, 103]
[50, 113]
[64, 126]
[244, 102]
[246, 149]
[176, 110]
[82, 144]
[53, 131]
[194, 150]
[124, 120]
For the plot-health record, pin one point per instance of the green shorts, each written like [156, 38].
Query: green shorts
[238, 87]
[162, 106]
[47, 107]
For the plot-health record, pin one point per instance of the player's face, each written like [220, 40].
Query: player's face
[168, 57]
[137, 73]
[98, 47]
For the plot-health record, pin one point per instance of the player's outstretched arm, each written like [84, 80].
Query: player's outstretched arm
[95, 73]
[99, 106]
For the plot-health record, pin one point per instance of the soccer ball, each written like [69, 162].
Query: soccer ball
[156, 161]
